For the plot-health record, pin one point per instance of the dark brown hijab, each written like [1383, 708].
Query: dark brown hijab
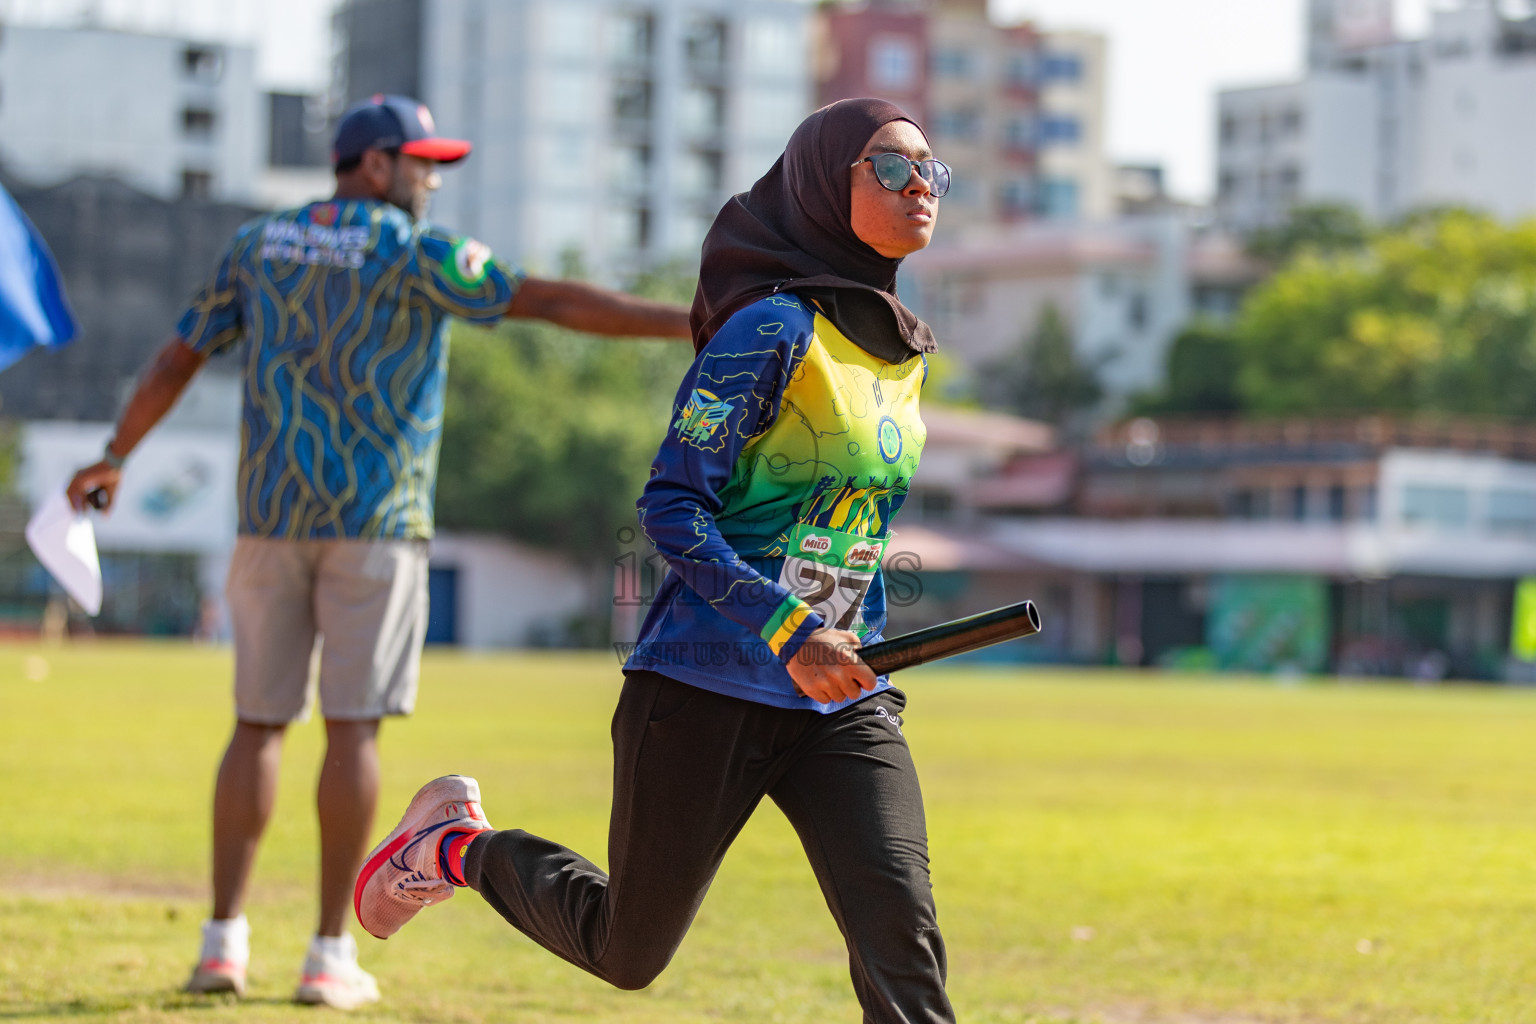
[792, 232]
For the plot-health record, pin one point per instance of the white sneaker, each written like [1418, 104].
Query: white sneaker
[226, 952]
[332, 977]
[401, 875]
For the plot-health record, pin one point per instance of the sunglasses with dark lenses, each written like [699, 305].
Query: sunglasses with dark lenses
[893, 171]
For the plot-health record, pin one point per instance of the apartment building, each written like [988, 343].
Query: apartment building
[1386, 124]
[170, 116]
[606, 133]
[1017, 111]
[1124, 289]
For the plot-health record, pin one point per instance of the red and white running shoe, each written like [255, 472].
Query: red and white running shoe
[222, 962]
[401, 875]
[332, 977]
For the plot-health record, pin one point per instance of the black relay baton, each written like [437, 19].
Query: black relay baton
[950, 638]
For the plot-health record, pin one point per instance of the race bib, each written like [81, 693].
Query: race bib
[831, 572]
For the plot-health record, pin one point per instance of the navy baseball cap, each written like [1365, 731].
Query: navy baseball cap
[393, 122]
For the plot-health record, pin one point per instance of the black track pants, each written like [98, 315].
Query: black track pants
[689, 769]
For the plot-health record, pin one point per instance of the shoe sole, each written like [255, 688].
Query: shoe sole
[209, 984]
[448, 789]
[314, 995]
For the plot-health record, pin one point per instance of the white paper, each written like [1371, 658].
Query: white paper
[63, 540]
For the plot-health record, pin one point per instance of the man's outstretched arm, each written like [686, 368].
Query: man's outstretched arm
[585, 307]
[164, 381]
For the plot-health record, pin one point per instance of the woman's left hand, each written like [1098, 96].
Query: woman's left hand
[828, 669]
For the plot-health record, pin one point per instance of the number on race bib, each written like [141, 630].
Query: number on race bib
[831, 571]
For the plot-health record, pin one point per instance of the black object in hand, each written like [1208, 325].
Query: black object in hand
[96, 498]
[950, 638]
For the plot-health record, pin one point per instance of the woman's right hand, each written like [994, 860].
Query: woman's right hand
[828, 669]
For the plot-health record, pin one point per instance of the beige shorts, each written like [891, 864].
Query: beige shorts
[363, 602]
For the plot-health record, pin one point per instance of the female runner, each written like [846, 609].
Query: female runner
[793, 442]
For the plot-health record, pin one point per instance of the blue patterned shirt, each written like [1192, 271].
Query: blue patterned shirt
[347, 305]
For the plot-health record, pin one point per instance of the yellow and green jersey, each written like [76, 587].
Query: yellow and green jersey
[790, 451]
[346, 305]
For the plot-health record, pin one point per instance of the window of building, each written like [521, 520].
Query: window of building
[630, 168]
[1230, 128]
[297, 132]
[962, 125]
[893, 62]
[1020, 68]
[701, 172]
[629, 228]
[1016, 196]
[1216, 300]
[1249, 503]
[704, 43]
[1060, 130]
[1298, 498]
[1336, 503]
[935, 505]
[632, 100]
[1290, 121]
[631, 36]
[1227, 184]
[1367, 498]
[703, 110]
[1433, 505]
[197, 122]
[950, 62]
[1061, 67]
[1290, 181]
[1019, 132]
[1512, 512]
[1137, 312]
[204, 63]
[1058, 198]
[196, 184]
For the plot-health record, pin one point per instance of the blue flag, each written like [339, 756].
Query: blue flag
[33, 311]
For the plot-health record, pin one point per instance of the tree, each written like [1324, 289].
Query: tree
[1203, 366]
[1043, 379]
[548, 435]
[1317, 228]
[1438, 315]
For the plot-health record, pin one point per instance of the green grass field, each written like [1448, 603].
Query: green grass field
[1106, 847]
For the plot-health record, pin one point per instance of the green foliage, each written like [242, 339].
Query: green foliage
[1318, 228]
[1043, 379]
[548, 435]
[10, 454]
[1438, 315]
[1203, 365]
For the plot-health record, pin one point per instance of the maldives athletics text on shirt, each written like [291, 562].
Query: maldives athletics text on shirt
[346, 305]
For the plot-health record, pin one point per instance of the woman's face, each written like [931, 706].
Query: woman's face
[894, 224]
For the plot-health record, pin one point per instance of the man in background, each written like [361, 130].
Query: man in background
[347, 305]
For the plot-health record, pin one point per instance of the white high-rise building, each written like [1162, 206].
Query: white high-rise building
[608, 131]
[169, 115]
[1388, 125]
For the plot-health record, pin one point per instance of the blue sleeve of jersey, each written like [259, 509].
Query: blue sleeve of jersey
[216, 318]
[730, 395]
[462, 278]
